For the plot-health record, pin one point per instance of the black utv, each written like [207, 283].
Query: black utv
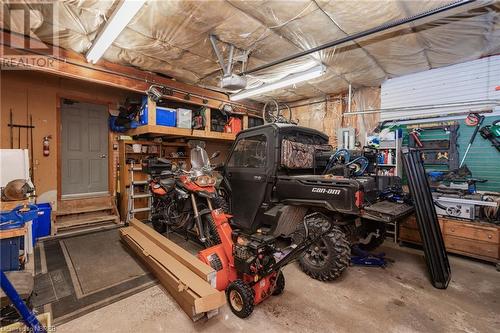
[272, 183]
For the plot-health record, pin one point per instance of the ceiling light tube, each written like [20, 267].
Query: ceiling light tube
[116, 23]
[286, 81]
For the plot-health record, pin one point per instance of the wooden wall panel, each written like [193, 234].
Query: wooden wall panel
[32, 92]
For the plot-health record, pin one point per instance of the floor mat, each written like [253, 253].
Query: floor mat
[80, 274]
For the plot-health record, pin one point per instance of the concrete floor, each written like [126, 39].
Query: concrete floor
[396, 299]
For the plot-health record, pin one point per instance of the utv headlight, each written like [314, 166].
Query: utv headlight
[205, 180]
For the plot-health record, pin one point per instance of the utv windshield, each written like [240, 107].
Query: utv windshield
[199, 158]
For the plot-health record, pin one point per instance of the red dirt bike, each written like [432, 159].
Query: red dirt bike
[183, 200]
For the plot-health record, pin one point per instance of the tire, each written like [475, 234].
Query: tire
[280, 284]
[375, 242]
[213, 235]
[156, 219]
[215, 262]
[240, 298]
[329, 257]
[158, 224]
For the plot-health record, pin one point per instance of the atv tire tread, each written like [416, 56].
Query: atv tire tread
[337, 244]
[247, 294]
[212, 230]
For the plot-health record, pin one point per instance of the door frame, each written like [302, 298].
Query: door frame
[82, 99]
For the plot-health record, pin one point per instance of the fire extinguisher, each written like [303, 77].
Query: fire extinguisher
[46, 145]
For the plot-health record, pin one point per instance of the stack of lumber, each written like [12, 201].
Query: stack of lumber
[190, 281]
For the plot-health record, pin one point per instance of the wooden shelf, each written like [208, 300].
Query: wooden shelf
[158, 130]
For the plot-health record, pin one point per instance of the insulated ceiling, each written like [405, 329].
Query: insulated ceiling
[172, 38]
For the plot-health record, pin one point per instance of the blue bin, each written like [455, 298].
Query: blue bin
[41, 227]
[9, 253]
[164, 116]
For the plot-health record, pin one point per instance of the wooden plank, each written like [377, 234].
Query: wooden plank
[151, 111]
[245, 122]
[194, 295]
[10, 205]
[184, 298]
[17, 232]
[194, 264]
[159, 130]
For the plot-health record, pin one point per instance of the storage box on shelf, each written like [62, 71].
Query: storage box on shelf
[136, 151]
[158, 121]
[474, 239]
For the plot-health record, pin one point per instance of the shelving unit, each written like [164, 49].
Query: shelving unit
[392, 169]
[172, 132]
[166, 150]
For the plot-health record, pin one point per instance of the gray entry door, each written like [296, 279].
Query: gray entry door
[84, 148]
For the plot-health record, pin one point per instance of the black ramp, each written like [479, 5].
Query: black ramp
[434, 249]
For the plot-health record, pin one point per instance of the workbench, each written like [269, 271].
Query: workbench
[479, 240]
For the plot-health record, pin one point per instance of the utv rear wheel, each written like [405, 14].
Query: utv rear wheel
[326, 259]
[240, 297]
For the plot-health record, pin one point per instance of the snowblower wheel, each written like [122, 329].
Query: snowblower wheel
[329, 257]
[280, 284]
[240, 297]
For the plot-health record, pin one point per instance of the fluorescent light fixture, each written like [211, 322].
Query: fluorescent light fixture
[286, 81]
[116, 23]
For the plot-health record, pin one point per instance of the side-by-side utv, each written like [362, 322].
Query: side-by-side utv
[273, 185]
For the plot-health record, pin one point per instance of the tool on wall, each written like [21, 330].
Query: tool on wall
[415, 134]
[492, 133]
[476, 120]
[436, 151]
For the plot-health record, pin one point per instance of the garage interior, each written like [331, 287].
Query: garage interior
[244, 165]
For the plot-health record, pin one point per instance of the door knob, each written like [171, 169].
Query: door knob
[102, 156]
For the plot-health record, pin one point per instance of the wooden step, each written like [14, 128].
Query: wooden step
[82, 210]
[85, 222]
[82, 203]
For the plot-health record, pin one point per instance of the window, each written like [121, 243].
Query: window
[250, 153]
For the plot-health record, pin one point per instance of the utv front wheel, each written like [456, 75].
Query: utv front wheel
[326, 259]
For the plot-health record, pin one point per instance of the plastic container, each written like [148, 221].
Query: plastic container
[42, 224]
[184, 117]
[164, 116]
[233, 126]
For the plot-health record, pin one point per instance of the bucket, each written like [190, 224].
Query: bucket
[42, 223]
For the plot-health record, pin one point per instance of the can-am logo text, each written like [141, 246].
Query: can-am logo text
[325, 190]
